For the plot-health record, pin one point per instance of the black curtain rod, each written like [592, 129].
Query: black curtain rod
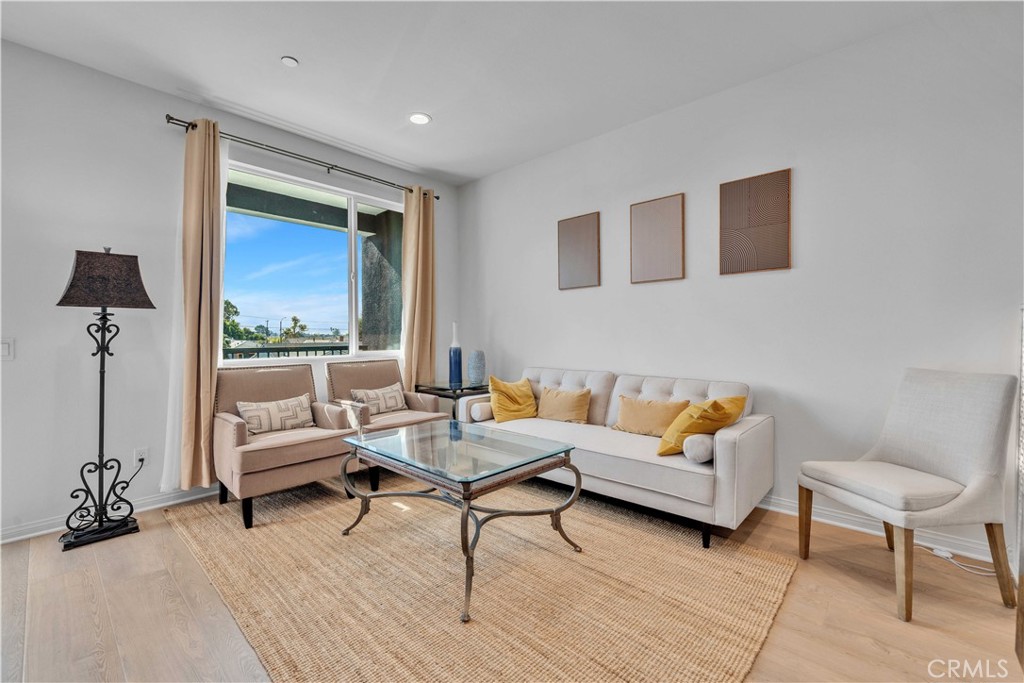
[189, 125]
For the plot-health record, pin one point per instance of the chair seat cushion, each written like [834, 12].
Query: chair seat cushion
[278, 449]
[896, 487]
[402, 418]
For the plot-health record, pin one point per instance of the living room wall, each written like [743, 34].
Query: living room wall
[89, 162]
[906, 233]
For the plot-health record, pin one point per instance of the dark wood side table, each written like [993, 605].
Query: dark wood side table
[445, 391]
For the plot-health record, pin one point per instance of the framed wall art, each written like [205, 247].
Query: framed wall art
[579, 251]
[657, 232]
[754, 230]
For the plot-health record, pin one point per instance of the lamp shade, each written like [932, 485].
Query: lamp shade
[103, 279]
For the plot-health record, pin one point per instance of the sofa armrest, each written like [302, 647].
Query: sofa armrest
[466, 403]
[356, 413]
[422, 402]
[744, 468]
[330, 416]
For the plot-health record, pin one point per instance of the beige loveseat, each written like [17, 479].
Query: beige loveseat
[626, 466]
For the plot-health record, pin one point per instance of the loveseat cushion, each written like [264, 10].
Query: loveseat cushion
[624, 457]
[894, 486]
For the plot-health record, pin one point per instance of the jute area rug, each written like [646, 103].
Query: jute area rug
[642, 602]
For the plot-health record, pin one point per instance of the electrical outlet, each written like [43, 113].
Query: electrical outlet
[139, 456]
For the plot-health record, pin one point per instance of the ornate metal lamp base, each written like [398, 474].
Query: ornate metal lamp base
[80, 537]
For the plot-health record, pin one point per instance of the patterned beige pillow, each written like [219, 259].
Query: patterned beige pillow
[276, 416]
[383, 400]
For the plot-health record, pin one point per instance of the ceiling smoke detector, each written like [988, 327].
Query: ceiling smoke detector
[289, 61]
[419, 118]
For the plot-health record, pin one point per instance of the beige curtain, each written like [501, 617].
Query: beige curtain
[201, 279]
[418, 287]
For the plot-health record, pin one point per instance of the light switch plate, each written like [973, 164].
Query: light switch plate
[6, 349]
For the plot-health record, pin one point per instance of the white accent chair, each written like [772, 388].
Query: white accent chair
[940, 461]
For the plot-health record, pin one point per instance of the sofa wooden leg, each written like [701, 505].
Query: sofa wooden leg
[222, 496]
[888, 535]
[903, 540]
[997, 545]
[374, 478]
[806, 503]
[705, 534]
[247, 512]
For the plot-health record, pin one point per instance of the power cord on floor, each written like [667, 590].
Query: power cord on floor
[946, 555]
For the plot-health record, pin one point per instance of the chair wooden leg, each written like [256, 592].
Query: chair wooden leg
[888, 534]
[806, 502]
[222, 496]
[903, 540]
[247, 512]
[997, 545]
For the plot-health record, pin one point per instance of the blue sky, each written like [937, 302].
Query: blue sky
[274, 270]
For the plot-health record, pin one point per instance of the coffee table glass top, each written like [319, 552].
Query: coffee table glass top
[458, 451]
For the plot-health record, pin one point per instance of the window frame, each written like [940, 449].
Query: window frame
[354, 199]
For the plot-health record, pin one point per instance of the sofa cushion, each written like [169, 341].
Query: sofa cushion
[671, 389]
[894, 486]
[599, 382]
[701, 418]
[699, 447]
[624, 457]
[383, 400]
[512, 400]
[277, 449]
[652, 418]
[402, 418]
[275, 416]
[565, 406]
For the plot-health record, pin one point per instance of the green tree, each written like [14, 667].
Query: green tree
[262, 330]
[233, 329]
[298, 329]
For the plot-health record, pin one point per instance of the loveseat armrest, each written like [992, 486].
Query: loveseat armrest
[330, 416]
[466, 403]
[356, 413]
[744, 468]
[422, 402]
[230, 431]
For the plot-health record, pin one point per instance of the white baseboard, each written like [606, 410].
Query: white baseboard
[964, 547]
[51, 525]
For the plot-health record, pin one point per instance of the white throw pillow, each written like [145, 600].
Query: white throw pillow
[699, 447]
[276, 416]
[383, 400]
[481, 411]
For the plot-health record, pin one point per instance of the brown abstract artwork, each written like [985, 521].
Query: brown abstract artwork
[755, 231]
[656, 230]
[579, 251]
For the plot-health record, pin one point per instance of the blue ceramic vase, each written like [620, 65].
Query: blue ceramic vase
[455, 360]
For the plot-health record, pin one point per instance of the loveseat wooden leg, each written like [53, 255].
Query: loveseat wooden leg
[222, 496]
[247, 512]
[705, 534]
[374, 478]
[997, 546]
[806, 503]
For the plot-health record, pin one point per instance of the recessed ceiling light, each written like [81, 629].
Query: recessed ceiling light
[289, 61]
[419, 118]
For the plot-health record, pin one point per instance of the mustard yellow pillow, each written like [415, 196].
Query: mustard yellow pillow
[701, 418]
[641, 416]
[565, 406]
[512, 400]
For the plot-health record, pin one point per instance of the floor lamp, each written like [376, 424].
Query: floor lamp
[102, 280]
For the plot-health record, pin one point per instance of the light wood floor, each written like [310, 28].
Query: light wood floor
[139, 608]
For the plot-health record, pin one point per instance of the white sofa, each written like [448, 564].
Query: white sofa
[626, 466]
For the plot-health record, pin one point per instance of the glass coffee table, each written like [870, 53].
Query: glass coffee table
[461, 462]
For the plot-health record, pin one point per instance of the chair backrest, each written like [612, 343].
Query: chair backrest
[343, 377]
[261, 383]
[950, 424]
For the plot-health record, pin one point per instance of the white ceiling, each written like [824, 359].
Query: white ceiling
[505, 82]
